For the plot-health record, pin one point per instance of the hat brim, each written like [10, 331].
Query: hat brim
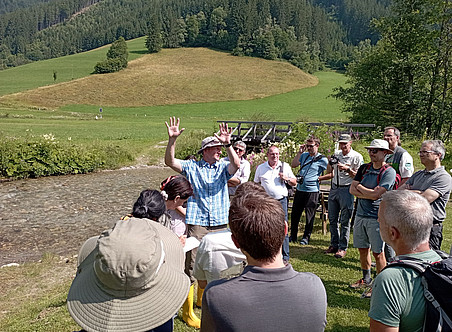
[94, 309]
[210, 146]
[344, 141]
[376, 147]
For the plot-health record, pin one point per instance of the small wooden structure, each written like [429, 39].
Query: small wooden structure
[259, 133]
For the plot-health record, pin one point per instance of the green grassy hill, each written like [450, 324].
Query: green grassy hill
[199, 85]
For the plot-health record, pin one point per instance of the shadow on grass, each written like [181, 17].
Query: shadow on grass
[139, 52]
[314, 255]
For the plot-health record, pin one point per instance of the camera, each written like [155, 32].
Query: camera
[300, 179]
[333, 160]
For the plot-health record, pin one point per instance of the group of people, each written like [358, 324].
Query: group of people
[136, 276]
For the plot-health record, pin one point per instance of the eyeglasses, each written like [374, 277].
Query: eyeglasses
[238, 149]
[421, 153]
[373, 151]
[310, 145]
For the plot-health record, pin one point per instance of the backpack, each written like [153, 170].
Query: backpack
[437, 283]
[383, 169]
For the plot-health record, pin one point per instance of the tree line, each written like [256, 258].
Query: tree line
[305, 31]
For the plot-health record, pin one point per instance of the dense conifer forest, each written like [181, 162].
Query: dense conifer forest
[309, 34]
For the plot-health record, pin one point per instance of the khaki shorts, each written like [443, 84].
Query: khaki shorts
[366, 234]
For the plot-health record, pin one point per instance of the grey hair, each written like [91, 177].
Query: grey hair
[410, 213]
[396, 132]
[241, 144]
[437, 146]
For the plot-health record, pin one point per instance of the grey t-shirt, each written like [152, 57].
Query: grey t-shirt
[438, 180]
[265, 300]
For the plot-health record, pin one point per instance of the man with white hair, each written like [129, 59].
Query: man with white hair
[398, 302]
[243, 173]
[433, 183]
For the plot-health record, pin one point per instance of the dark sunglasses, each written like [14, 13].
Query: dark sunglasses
[374, 151]
[238, 149]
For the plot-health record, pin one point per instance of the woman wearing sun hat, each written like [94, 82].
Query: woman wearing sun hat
[131, 278]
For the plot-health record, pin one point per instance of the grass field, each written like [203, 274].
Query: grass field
[37, 74]
[141, 127]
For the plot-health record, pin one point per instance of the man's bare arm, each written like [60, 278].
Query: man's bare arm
[225, 138]
[376, 326]
[173, 133]
[372, 194]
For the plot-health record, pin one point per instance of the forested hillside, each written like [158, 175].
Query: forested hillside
[309, 34]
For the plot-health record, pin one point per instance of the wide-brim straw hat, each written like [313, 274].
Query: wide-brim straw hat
[379, 144]
[131, 278]
[209, 142]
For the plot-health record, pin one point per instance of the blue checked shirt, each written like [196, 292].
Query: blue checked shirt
[209, 205]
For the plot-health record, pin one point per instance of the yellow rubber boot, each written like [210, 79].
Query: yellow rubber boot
[188, 315]
[199, 297]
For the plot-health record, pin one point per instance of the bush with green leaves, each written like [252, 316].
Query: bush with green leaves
[33, 157]
[189, 143]
[116, 58]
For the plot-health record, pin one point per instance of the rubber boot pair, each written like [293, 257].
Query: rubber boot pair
[188, 315]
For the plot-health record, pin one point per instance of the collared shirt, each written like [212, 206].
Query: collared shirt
[209, 205]
[438, 180]
[353, 159]
[269, 178]
[243, 173]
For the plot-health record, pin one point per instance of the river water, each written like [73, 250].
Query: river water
[57, 214]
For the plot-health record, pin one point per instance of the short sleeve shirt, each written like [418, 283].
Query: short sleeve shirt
[353, 159]
[216, 253]
[311, 171]
[269, 178]
[209, 205]
[368, 208]
[397, 295]
[243, 173]
[438, 180]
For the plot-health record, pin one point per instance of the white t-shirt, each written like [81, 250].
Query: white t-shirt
[216, 253]
[243, 173]
[269, 178]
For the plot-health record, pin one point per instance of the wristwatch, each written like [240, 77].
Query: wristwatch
[227, 145]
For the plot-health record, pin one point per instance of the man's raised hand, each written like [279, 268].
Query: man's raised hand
[173, 127]
[225, 134]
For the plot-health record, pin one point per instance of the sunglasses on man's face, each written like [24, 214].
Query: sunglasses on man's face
[238, 149]
[374, 151]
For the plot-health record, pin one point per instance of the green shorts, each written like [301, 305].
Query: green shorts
[366, 234]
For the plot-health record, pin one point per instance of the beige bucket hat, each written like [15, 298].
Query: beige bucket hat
[131, 278]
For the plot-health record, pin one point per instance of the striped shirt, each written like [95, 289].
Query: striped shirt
[209, 205]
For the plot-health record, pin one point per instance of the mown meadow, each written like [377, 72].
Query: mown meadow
[35, 293]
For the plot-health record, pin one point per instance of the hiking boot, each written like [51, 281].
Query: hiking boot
[304, 241]
[340, 253]
[361, 283]
[331, 250]
[367, 293]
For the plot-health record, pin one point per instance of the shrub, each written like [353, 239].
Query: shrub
[189, 143]
[33, 157]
